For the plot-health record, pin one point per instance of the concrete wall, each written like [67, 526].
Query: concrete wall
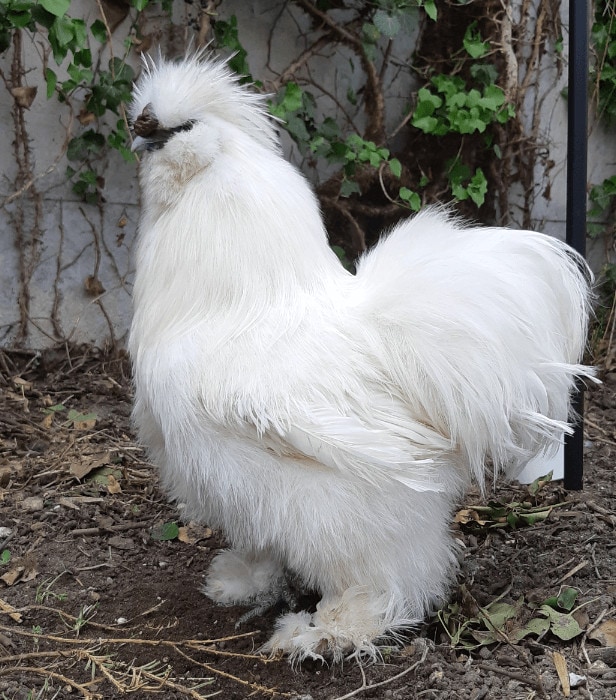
[77, 265]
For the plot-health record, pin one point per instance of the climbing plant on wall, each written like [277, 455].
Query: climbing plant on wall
[454, 134]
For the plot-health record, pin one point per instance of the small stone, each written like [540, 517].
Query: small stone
[121, 621]
[576, 681]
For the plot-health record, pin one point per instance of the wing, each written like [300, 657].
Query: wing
[384, 445]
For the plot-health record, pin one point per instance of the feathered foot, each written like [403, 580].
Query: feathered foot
[342, 626]
[247, 578]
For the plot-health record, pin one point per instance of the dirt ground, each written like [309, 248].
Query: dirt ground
[99, 583]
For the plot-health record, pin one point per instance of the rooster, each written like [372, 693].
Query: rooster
[326, 422]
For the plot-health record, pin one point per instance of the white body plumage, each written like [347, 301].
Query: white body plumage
[327, 423]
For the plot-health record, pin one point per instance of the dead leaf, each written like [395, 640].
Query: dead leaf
[143, 44]
[85, 117]
[605, 634]
[193, 532]
[102, 475]
[581, 617]
[67, 503]
[47, 421]
[13, 575]
[89, 464]
[93, 286]
[32, 504]
[24, 96]
[115, 13]
[113, 485]
[121, 542]
[468, 515]
[5, 475]
[13, 614]
[22, 383]
[31, 570]
[563, 674]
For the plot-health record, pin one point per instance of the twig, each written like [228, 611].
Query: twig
[51, 674]
[513, 675]
[212, 669]
[375, 130]
[299, 62]
[573, 571]
[365, 686]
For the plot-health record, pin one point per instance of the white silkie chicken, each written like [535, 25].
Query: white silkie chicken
[326, 422]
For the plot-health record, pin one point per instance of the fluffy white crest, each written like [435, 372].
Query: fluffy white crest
[199, 86]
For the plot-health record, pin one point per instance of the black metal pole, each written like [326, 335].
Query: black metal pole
[577, 137]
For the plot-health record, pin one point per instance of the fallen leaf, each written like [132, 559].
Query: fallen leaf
[13, 575]
[563, 674]
[121, 542]
[30, 571]
[32, 504]
[605, 634]
[67, 503]
[165, 531]
[13, 614]
[193, 532]
[47, 421]
[89, 464]
[102, 475]
[539, 483]
[82, 421]
[468, 515]
[538, 626]
[22, 383]
[113, 485]
[563, 625]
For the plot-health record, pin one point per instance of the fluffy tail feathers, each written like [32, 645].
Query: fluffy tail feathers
[485, 328]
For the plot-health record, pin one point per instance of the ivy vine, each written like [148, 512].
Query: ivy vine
[447, 105]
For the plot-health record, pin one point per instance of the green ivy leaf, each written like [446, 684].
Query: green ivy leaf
[563, 625]
[370, 34]
[166, 531]
[410, 197]
[99, 31]
[20, 19]
[477, 190]
[493, 98]
[292, 99]
[56, 7]
[537, 625]
[387, 24]
[473, 43]
[88, 143]
[566, 598]
[349, 187]
[62, 31]
[396, 167]
[430, 8]
[51, 79]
